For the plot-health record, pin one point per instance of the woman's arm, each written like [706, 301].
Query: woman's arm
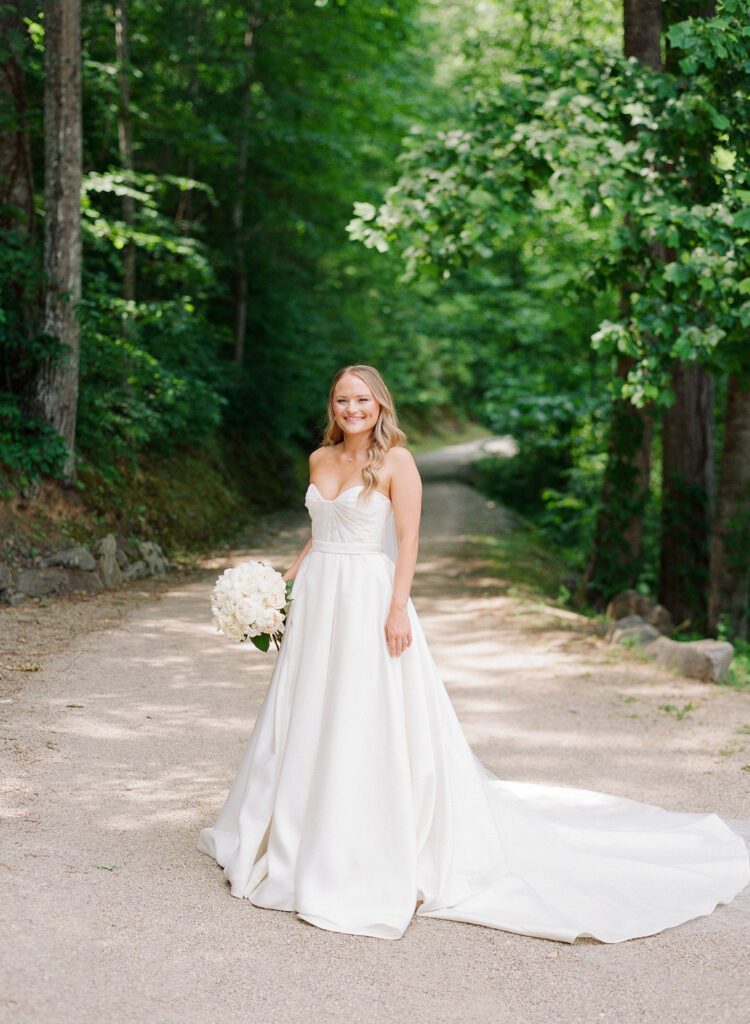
[294, 567]
[406, 500]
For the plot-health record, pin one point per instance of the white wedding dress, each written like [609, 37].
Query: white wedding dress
[359, 801]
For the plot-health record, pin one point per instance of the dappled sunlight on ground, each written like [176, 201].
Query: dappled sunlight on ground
[121, 748]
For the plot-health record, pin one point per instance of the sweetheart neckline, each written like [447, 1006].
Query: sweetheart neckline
[353, 488]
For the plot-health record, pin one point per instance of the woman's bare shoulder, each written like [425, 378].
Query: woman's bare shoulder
[319, 455]
[399, 456]
[402, 468]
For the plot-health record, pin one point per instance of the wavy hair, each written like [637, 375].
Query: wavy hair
[385, 434]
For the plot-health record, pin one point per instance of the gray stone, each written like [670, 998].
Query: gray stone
[40, 582]
[637, 634]
[660, 617]
[707, 660]
[71, 558]
[83, 582]
[6, 576]
[627, 622]
[153, 556]
[136, 571]
[106, 545]
[109, 570]
[632, 603]
[629, 602]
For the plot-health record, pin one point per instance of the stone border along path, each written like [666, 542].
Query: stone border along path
[122, 746]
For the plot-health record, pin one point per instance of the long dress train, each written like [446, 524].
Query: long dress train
[359, 802]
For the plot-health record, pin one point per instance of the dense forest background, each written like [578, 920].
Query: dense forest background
[530, 216]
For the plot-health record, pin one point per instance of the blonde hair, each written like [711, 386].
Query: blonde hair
[385, 434]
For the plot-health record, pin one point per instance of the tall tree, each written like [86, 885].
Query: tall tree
[20, 294]
[16, 178]
[617, 548]
[687, 485]
[687, 426]
[253, 23]
[729, 593]
[125, 140]
[55, 392]
[642, 25]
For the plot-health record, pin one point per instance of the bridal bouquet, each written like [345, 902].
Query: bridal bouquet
[250, 601]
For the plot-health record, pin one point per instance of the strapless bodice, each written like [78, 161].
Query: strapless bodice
[347, 520]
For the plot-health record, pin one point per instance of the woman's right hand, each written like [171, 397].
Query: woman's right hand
[293, 569]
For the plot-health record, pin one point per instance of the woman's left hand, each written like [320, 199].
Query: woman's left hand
[397, 631]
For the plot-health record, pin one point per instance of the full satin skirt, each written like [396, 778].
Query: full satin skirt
[359, 802]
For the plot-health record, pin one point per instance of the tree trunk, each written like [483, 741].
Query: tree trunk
[125, 139]
[687, 429]
[254, 22]
[642, 31]
[21, 295]
[730, 546]
[16, 180]
[55, 391]
[687, 495]
[184, 211]
[617, 550]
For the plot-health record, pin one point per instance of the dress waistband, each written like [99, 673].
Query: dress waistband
[348, 547]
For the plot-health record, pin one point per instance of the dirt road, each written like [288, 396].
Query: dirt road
[121, 748]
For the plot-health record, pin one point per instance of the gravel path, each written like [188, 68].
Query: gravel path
[121, 746]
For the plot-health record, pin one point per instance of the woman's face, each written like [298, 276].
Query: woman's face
[354, 406]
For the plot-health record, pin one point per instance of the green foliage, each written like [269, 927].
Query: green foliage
[538, 171]
[616, 143]
[331, 90]
[739, 671]
[554, 479]
[187, 500]
[29, 448]
[679, 712]
[652, 171]
[155, 390]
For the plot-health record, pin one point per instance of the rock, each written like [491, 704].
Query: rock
[84, 582]
[136, 571]
[39, 582]
[632, 630]
[660, 617]
[6, 577]
[153, 556]
[109, 570]
[631, 602]
[707, 660]
[71, 558]
[627, 622]
[638, 635]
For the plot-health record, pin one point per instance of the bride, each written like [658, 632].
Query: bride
[359, 802]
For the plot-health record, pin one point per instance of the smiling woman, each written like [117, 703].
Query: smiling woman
[359, 801]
